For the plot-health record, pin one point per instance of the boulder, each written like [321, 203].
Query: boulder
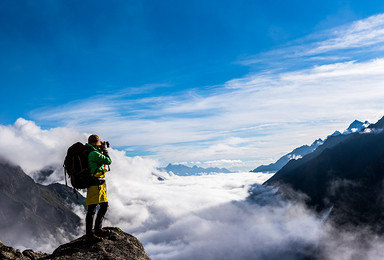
[115, 245]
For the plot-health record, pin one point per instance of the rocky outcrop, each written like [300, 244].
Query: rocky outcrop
[7, 252]
[116, 245]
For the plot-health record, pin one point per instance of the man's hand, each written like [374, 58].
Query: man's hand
[104, 146]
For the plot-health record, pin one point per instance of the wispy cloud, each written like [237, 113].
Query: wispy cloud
[363, 33]
[33, 148]
[268, 113]
[357, 39]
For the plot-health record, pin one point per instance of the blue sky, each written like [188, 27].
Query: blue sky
[222, 83]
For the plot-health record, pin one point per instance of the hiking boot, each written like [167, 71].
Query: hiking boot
[102, 232]
[93, 238]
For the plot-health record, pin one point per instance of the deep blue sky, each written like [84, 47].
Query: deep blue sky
[193, 80]
[54, 52]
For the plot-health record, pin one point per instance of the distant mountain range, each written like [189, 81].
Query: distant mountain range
[301, 151]
[183, 170]
[345, 174]
[28, 209]
[295, 154]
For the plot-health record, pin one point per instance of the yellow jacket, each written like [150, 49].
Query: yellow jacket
[96, 164]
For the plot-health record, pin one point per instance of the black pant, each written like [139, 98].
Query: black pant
[99, 219]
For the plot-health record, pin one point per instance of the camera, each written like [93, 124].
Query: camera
[105, 144]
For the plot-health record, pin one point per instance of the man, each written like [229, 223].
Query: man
[98, 158]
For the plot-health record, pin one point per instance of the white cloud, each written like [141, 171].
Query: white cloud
[223, 161]
[139, 202]
[257, 117]
[362, 33]
[256, 113]
[197, 217]
[358, 38]
[31, 147]
[235, 231]
[254, 118]
[295, 156]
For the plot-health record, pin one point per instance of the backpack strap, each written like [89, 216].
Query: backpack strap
[65, 176]
[76, 192]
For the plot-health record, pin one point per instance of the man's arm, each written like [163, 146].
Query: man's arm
[100, 158]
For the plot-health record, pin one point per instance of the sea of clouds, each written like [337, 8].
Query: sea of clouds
[218, 216]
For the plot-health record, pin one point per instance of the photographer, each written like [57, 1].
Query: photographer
[98, 158]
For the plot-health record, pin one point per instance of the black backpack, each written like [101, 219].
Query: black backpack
[76, 165]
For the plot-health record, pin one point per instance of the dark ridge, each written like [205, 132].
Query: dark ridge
[346, 173]
[28, 209]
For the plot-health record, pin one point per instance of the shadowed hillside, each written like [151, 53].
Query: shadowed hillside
[28, 209]
[346, 173]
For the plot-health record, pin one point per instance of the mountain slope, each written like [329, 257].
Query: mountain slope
[295, 154]
[356, 126]
[346, 173]
[29, 209]
[301, 151]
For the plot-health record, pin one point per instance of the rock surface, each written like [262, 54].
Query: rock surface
[7, 252]
[116, 245]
